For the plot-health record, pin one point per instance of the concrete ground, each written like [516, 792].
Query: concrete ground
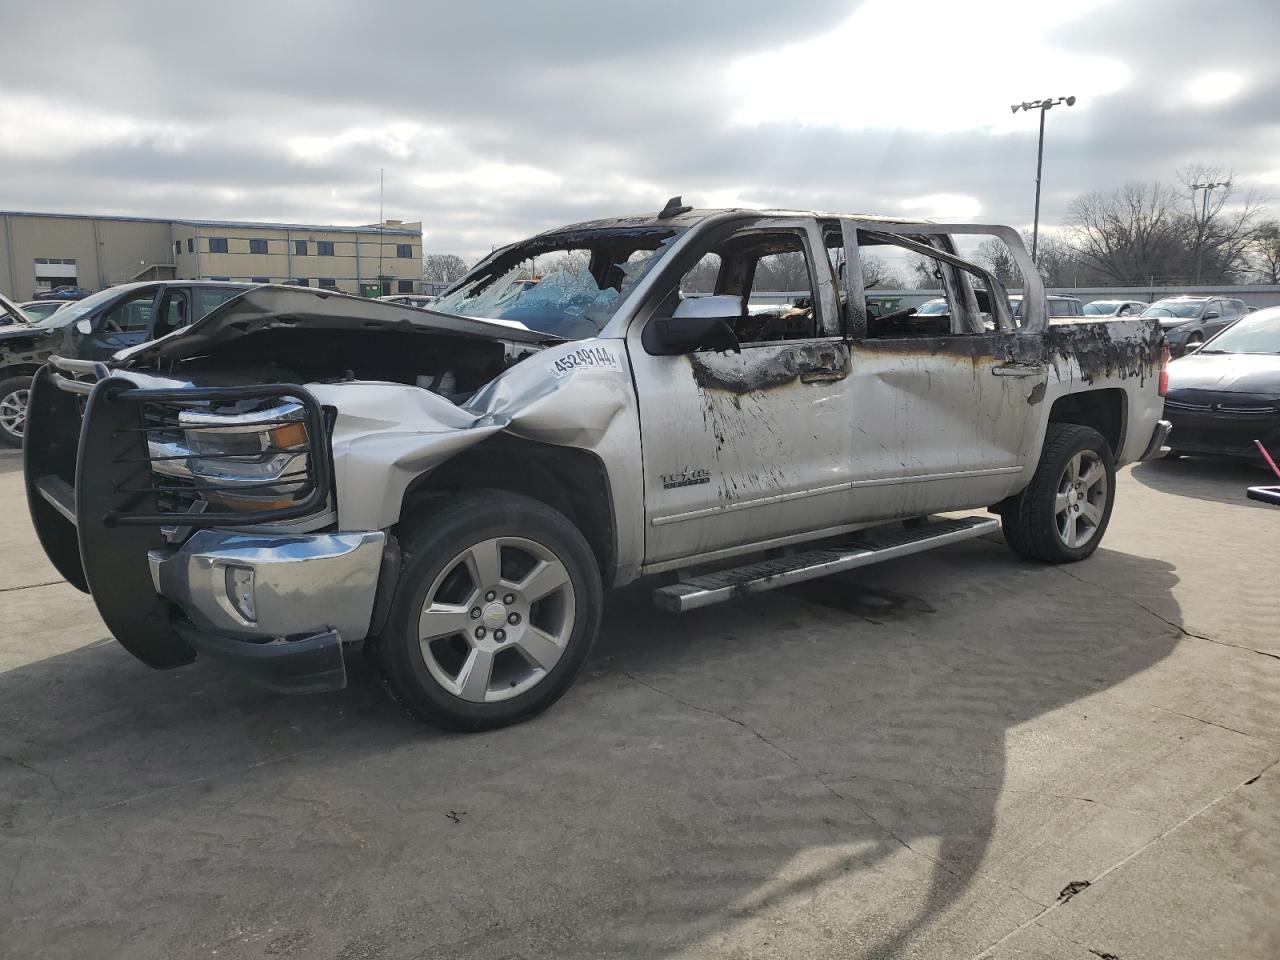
[921, 759]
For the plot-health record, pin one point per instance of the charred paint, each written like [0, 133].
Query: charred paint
[762, 368]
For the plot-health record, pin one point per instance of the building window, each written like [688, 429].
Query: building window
[404, 286]
[328, 282]
[299, 248]
[324, 248]
[261, 279]
[404, 251]
[217, 244]
[257, 246]
[177, 248]
[191, 245]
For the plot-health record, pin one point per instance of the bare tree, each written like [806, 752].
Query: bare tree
[1131, 235]
[993, 253]
[1222, 223]
[924, 272]
[877, 273]
[1264, 252]
[443, 267]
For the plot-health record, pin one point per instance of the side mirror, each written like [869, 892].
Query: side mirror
[699, 323]
[1212, 315]
[1192, 348]
[84, 326]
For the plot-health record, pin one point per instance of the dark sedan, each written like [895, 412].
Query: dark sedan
[1226, 395]
[1188, 322]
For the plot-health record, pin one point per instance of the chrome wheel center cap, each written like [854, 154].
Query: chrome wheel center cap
[494, 615]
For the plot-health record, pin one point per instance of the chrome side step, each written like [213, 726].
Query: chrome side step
[859, 550]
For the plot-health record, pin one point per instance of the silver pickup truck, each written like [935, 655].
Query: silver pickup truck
[302, 471]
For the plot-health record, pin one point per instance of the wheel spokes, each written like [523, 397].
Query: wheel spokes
[542, 648]
[443, 620]
[544, 579]
[1093, 475]
[484, 562]
[473, 678]
[1062, 503]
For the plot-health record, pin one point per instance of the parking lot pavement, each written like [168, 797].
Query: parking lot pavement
[920, 759]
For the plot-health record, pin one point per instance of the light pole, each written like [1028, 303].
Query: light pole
[1203, 225]
[1044, 106]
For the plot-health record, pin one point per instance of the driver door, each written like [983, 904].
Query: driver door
[748, 446]
[123, 324]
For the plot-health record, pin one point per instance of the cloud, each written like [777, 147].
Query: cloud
[492, 121]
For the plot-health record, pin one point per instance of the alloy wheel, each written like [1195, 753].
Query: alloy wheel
[1081, 501]
[497, 619]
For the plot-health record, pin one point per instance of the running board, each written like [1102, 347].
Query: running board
[859, 550]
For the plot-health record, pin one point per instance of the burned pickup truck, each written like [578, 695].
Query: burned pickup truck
[300, 472]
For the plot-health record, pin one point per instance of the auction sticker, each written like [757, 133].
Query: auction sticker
[585, 358]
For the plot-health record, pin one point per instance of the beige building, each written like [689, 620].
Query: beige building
[39, 251]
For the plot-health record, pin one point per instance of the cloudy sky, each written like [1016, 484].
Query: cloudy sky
[493, 120]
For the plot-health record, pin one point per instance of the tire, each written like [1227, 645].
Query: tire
[1062, 516]
[14, 393]
[495, 652]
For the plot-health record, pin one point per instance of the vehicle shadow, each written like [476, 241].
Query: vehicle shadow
[10, 461]
[1215, 479]
[789, 755]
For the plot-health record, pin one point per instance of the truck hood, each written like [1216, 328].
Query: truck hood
[1253, 373]
[29, 331]
[265, 307]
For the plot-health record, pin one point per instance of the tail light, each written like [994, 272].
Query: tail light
[1164, 368]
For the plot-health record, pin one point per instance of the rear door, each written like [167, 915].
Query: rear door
[943, 417]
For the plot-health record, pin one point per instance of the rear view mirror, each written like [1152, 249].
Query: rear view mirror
[84, 326]
[1212, 315]
[699, 323]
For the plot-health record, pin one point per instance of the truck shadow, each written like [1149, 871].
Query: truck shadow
[835, 755]
[1217, 480]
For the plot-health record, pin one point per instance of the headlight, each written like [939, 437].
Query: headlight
[244, 460]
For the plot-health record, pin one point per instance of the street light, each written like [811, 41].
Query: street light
[1203, 226]
[1044, 106]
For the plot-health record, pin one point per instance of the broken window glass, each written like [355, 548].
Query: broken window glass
[568, 287]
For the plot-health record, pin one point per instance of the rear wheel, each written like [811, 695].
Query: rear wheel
[1063, 513]
[498, 604]
[14, 394]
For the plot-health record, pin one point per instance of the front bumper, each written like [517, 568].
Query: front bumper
[307, 594]
[1223, 424]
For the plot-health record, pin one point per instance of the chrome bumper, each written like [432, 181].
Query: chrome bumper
[296, 585]
[1158, 446]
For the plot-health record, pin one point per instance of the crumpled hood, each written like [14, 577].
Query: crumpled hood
[1226, 372]
[18, 331]
[267, 307]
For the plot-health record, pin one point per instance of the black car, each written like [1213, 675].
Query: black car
[95, 328]
[1188, 322]
[1226, 394]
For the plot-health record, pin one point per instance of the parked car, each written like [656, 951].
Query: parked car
[93, 329]
[39, 309]
[11, 312]
[1226, 394]
[1058, 306]
[455, 487]
[66, 292]
[1189, 321]
[1114, 308]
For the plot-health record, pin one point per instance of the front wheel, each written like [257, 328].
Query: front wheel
[497, 607]
[14, 394]
[1062, 514]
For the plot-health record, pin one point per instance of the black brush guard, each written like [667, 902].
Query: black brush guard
[98, 508]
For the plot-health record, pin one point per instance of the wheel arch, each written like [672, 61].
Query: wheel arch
[571, 481]
[1104, 409]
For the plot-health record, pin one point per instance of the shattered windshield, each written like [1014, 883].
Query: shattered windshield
[567, 285]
